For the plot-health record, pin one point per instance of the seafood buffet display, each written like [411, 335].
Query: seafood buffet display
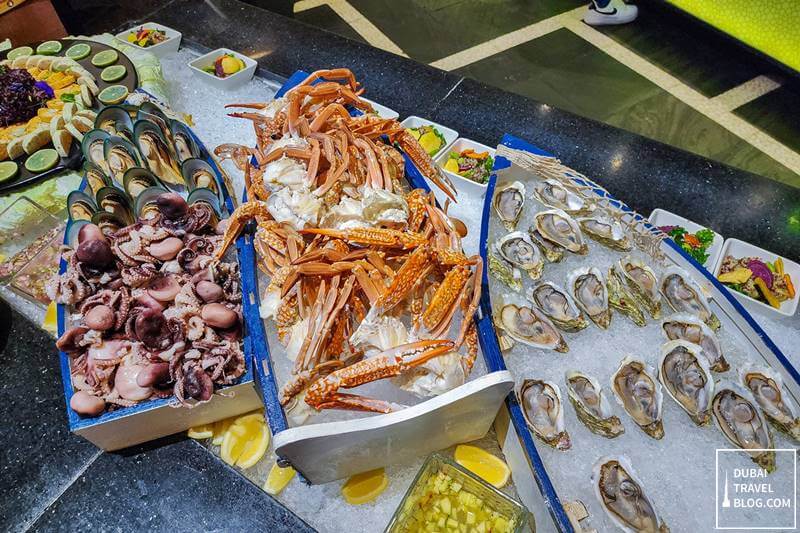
[157, 311]
[585, 303]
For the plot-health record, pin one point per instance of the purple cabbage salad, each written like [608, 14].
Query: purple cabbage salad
[20, 96]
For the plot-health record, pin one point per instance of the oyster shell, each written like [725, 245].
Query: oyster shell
[685, 375]
[642, 283]
[591, 406]
[544, 412]
[508, 201]
[740, 419]
[529, 326]
[688, 327]
[767, 388]
[558, 305]
[622, 497]
[637, 390]
[505, 273]
[589, 293]
[684, 295]
[518, 250]
[558, 227]
[552, 252]
[606, 231]
[621, 299]
[554, 195]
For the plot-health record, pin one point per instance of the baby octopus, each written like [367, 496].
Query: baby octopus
[156, 314]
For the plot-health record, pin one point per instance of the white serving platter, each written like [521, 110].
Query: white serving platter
[234, 80]
[382, 110]
[661, 217]
[464, 185]
[450, 135]
[738, 249]
[169, 46]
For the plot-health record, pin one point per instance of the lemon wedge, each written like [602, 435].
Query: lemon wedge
[205, 431]
[50, 317]
[483, 464]
[365, 487]
[278, 479]
[246, 441]
[220, 428]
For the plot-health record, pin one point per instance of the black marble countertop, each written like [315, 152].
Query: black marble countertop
[52, 480]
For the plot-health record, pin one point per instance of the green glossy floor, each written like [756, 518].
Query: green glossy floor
[665, 76]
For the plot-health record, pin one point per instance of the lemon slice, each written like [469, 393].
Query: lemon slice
[206, 431]
[220, 428]
[8, 170]
[49, 48]
[278, 479]
[42, 160]
[113, 73]
[483, 464]
[365, 487]
[246, 441]
[105, 58]
[19, 52]
[113, 94]
[78, 51]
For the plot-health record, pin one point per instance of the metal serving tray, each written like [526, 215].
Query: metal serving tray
[326, 451]
[516, 440]
[161, 417]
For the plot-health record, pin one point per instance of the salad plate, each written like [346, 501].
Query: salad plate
[464, 184]
[168, 46]
[661, 217]
[450, 135]
[231, 81]
[740, 249]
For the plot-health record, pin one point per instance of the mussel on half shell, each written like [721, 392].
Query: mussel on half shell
[182, 141]
[639, 392]
[688, 327]
[622, 497]
[119, 155]
[544, 412]
[740, 419]
[684, 295]
[509, 198]
[558, 227]
[529, 326]
[518, 250]
[767, 388]
[589, 292]
[558, 305]
[591, 405]
[684, 373]
[155, 151]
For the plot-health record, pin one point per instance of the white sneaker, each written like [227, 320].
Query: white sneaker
[616, 12]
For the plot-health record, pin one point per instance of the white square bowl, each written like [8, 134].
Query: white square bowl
[464, 185]
[159, 50]
[234, 80]
[661, 217]
[450, 135]
[739, 249]
[383, 111]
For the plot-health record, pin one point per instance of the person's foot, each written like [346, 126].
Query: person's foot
[607, 12]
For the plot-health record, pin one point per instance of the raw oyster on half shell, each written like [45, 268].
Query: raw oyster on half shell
[606, 231]
[642, 284]
[684, 373]
[767, 388]
[518, 250]
[621, 299]
[558, 227]
[529, 326]
[589, 292]
[552, 252]
[544, 412]
[688, 327]
[554, 195]
[591, 405]
[684, 295]
[639, 392]
[741, 421]
[509, 198]
[558, 305]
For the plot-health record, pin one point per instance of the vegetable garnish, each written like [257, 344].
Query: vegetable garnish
[475, 166]
[758, 279]
[694, 244]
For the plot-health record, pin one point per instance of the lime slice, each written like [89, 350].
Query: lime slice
[113, 94]
[49, 48]
[8, 170]
[42, 160]
[113, 73]
[19, 52]
[78, 51]
[105, 58]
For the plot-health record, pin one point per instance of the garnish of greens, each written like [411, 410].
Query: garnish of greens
[475, 166]
[694, 244]
[761, 280]
[429, 138]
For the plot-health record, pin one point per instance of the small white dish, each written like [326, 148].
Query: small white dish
[382, 110]
[159, 50]
[739, 249]
[234, 80]
[660, 217]
[464, 185]
[450, 135]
